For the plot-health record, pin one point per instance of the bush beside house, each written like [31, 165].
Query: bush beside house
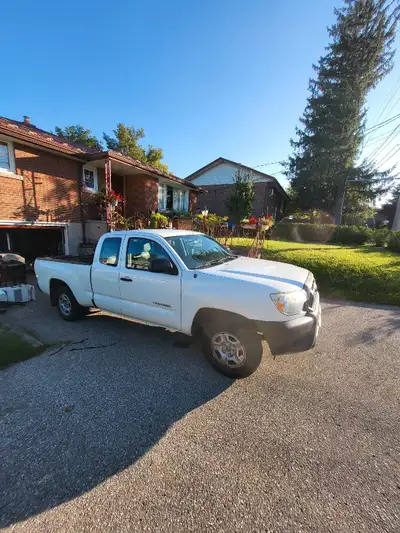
[330, 233]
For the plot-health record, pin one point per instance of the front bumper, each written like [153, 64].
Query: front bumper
[296, 335]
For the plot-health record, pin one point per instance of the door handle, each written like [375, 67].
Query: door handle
[125, 279]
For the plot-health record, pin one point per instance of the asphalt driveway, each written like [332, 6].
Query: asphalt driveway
[129, 429]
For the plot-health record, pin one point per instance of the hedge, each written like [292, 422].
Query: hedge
[331, 233]
[394, 241]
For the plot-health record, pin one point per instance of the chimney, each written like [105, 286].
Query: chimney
[27, 120]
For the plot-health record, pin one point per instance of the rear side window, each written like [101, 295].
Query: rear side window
[109, 253]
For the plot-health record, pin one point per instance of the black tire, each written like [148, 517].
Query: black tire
[65, 299]
[249, 340]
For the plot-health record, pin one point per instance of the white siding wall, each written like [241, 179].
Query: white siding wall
[222, 174]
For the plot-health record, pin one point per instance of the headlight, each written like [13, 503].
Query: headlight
[290, 303]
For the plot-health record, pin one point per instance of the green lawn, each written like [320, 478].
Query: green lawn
[14, 348]
[362, 273]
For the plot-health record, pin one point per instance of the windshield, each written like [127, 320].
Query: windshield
[199, 251]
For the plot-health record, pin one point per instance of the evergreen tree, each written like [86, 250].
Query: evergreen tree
[328, 143]
[78, 134]
[126, 140]
[240, 203]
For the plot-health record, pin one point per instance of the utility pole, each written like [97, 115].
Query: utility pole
[396, 220]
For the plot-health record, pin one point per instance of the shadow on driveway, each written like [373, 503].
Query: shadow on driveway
[71, 420]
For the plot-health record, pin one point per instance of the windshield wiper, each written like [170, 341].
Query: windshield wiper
[215, 262]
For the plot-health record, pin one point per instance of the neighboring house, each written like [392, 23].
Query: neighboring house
[217, 179]
[47, 186]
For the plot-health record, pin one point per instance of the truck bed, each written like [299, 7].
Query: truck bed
[76, 259]
[74, 271]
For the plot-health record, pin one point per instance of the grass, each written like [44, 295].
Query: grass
[15, 348]
[362, 273]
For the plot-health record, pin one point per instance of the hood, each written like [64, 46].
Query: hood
[280, 276]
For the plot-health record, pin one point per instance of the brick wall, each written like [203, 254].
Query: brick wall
[48, 192]
[141, 194]
[216, 196]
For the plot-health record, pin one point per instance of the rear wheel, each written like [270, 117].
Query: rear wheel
[233, 349]
[67, 305]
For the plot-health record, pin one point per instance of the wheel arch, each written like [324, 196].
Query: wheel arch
[55, 284]
[205, 315]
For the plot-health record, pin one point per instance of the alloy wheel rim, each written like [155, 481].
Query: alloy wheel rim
[228, 350]
[65, 304]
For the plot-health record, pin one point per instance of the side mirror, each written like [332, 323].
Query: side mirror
[162, 266]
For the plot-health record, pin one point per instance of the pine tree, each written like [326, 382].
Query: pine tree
[328, 144]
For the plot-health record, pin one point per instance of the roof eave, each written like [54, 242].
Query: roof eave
[116, 156]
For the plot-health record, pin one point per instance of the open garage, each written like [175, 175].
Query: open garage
[32, 241]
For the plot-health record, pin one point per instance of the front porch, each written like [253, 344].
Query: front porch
[143, 188]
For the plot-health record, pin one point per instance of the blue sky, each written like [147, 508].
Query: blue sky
[204, 78]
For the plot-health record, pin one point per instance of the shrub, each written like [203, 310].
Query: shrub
[323, 233]
[394, 241]
[381, 237]
[178, 214]
[158, 220]
[352, 234]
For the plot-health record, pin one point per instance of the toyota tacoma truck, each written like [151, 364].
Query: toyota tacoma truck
[186, 281]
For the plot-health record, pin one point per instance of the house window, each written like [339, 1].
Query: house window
[162, 197]
[271, 192]
[170, 198]
[179, 198]
[89, 178]
[7, 161]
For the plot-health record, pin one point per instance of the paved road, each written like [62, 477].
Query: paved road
[141, 435]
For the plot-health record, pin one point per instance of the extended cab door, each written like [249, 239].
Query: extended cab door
[105, 275]
[145, 295]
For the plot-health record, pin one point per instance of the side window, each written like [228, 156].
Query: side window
[141, 252]
[110, 251]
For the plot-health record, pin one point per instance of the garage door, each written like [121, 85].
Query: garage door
[32, 242]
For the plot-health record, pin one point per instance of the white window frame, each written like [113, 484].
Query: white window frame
[177, 192]
[95, 177]
[162, 206]
[9, 173]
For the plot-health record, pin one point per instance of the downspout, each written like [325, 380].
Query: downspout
[83, 222]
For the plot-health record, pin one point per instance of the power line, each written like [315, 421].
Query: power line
[379, 148]
[381, 124]
[394, 105]
[388, 156]
[269, 164]
[388, 99]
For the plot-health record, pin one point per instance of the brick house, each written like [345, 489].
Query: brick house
[217, 180]
[47, 186]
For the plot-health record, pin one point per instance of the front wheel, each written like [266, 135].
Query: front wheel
[233, 349]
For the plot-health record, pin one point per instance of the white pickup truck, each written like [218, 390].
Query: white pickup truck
[186, 281]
